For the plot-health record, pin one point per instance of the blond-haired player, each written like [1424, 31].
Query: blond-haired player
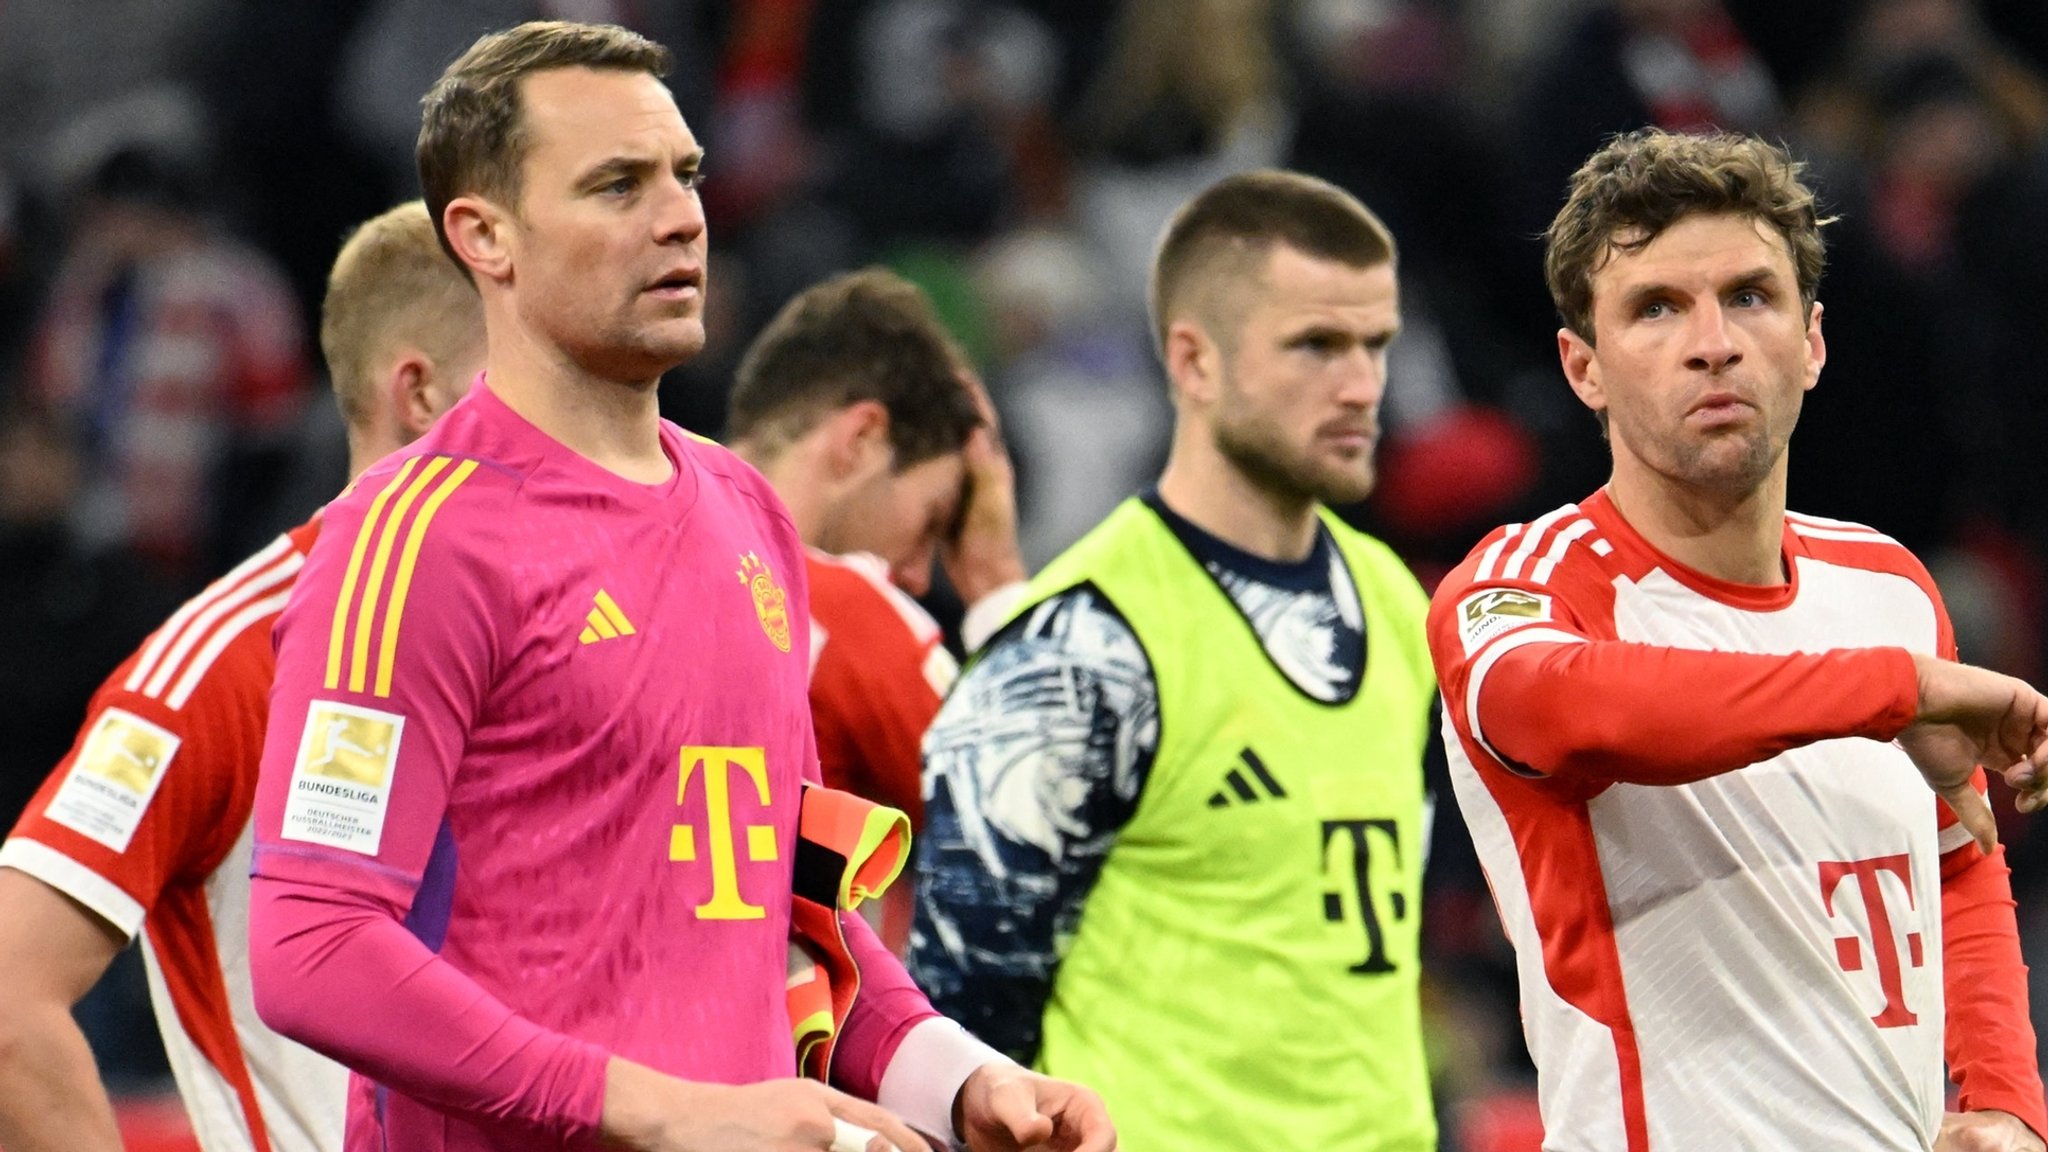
[143, 829]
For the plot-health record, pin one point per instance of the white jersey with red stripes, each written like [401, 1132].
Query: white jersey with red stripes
[147, 823]
[1748, 961]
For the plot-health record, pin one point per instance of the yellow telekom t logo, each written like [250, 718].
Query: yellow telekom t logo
[725, 902]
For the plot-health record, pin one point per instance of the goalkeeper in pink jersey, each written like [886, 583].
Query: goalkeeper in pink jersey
[525, 833]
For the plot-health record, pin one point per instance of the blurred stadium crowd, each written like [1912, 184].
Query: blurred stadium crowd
[176, 174]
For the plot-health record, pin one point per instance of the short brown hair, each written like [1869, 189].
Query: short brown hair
[472, 123]
[866, 335]
[1645, 181]
[389, 284]
[1220, 235]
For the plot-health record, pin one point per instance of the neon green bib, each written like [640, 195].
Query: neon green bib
[1244, 974]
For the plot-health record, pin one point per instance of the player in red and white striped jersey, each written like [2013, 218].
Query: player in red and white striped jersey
[1694, 735]
[145, 825]
[859, 410]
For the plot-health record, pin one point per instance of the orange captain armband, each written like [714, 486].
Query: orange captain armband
[848, 850]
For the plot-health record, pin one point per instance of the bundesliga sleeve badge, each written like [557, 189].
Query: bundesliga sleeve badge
[1489, 612]
[341, 781]
[114, 778]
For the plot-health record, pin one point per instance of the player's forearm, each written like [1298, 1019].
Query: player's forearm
[890, 1005]
[1989, 1040]
[930, 1067]
[340, 975]
[51, 1098]
[640, 1106]
[1643, 714]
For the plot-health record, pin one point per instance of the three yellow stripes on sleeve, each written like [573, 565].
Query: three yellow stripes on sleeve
[362, 592]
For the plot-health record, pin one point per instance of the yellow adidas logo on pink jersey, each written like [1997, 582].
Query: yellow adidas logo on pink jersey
[606, 621]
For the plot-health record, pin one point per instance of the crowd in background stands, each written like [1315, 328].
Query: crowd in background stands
[175, 176]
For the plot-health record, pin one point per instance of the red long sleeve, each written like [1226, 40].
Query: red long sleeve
[1990, 1040]
[1574, 710]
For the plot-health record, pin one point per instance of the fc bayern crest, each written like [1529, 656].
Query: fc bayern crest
[770, 603]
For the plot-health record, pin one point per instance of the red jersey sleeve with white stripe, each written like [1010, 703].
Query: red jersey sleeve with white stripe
[879, 671]
[1535, 683]
[356, 777]
[157, 788]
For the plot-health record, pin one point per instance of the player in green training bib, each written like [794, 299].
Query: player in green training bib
[1175, 809]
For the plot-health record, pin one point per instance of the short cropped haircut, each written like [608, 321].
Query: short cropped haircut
[392, 283]
[1221, 235]
[472, 122]
[866, 335]
[1643, 182]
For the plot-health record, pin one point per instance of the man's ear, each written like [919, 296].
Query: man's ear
[1816, 347]
[482, 236]
[856, 437]
[1194, 364]
[408, 391]
[1581, 366]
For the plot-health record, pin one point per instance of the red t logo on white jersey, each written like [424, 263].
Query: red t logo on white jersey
[1883, 943]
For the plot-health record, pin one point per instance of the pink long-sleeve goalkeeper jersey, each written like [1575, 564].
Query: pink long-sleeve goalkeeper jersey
[554, 722]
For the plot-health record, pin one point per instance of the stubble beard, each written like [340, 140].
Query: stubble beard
[625, 343]
[636, 352]
[663, 342]
[1708, 464]
[1259, 455]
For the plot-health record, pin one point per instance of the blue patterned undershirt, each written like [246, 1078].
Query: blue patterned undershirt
[1037, 760]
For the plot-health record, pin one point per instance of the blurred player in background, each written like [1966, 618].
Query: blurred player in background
[1175, 823]
[145, 825]
[526, 825]
[1742, 920]
[859, 410]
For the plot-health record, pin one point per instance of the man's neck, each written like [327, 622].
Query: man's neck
[790, 474]
[615, 425]
[366, 448]
[1217, 497]
[1737, 537]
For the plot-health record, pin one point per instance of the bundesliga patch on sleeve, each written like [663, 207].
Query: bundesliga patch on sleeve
[114, 778]
[1492, 611]
[341, 782]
